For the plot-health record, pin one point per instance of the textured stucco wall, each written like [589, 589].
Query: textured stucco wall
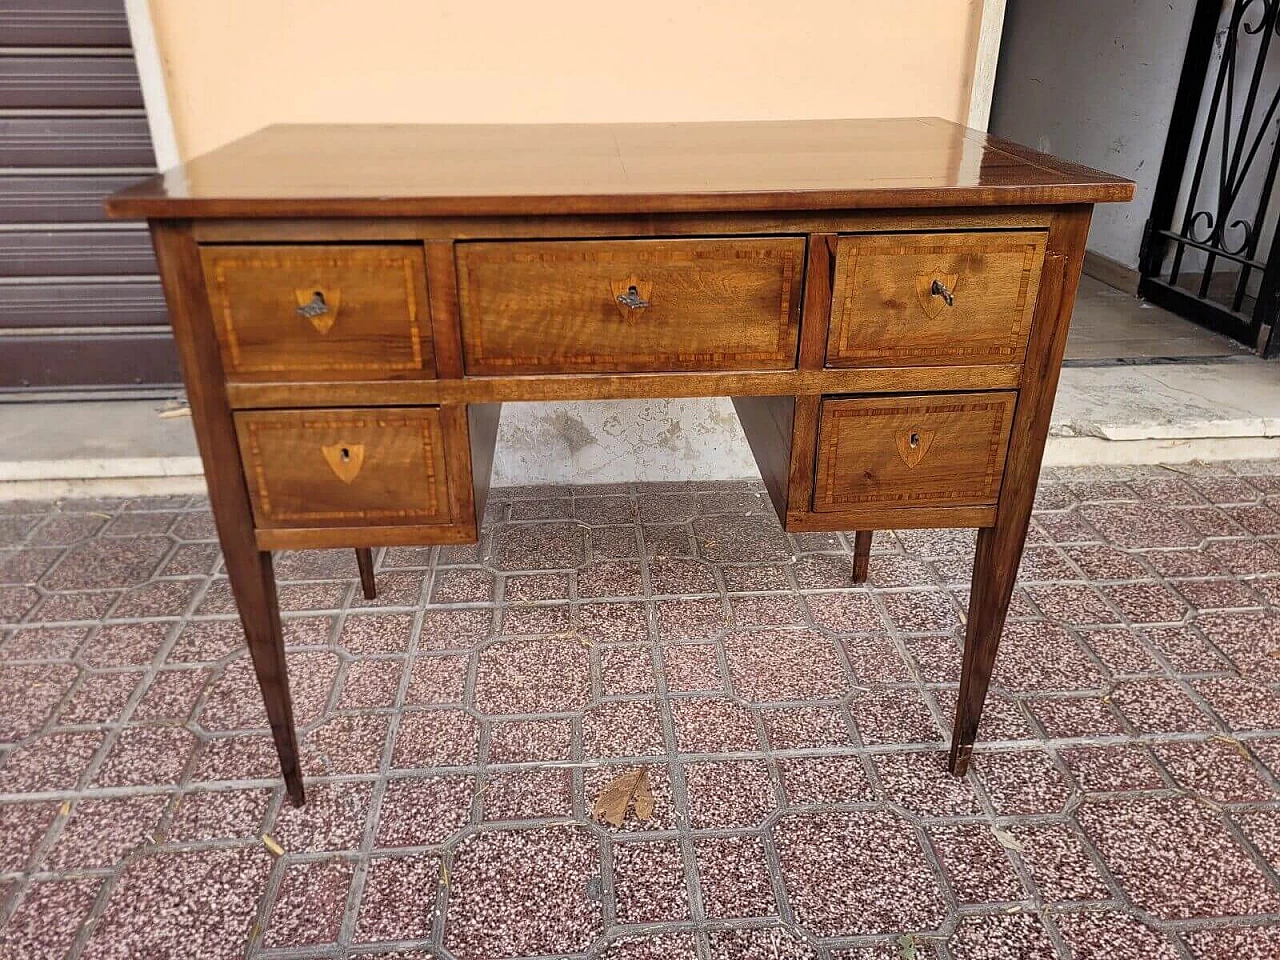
[1093, 81]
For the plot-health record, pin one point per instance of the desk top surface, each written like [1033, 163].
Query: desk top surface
[340, 170]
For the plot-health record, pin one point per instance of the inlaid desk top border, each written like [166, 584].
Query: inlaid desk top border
[357, 170]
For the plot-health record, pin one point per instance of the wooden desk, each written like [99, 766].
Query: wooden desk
[886, 301]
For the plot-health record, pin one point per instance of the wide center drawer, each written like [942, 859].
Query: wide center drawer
[926, 299]
[912, 451]
[301, 312]
[626, 306]
[345, 468]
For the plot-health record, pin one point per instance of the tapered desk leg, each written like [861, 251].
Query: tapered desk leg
[248, 568]
[995, 568]
[254, 584]
[999, 549]
[364, 560]
[861, 554]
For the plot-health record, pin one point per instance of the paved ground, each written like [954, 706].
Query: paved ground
[1124, 803]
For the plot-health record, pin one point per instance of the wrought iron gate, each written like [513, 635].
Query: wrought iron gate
[1209, 217]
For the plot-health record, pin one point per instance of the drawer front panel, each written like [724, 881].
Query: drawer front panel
[931, 450]
[320, 312]
[929, 299]
[345, 468]
[630, 305]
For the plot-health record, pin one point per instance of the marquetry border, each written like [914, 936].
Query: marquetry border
[408, 261]
[984, 489]
[630, 257]
[256, 430]
[845, 325]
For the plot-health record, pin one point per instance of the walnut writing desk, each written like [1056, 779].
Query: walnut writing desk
[886, 301]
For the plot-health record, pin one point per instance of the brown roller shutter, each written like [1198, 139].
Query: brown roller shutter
[80, 303]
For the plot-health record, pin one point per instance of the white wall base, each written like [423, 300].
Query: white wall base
[1159, 413]
[615, 441]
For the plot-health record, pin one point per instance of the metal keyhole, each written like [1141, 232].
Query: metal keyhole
[939, 289]
[914, 440]
[346, 454]
[315, 307]
[632, 299]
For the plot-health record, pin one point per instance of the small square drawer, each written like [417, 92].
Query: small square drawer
[345, 468]
[320, 312]
[623, 306]
[928, 299]
[931, 450]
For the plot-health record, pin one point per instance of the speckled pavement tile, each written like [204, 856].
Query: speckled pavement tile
[1123, 801]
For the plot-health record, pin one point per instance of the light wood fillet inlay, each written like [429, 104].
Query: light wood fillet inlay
[335, 467]
[345, 459]
[320, 312]
[946, 298]
[557, 306]
[939, 450]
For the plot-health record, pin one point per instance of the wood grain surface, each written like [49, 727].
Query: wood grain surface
[556, 307]
[337, 170]
[345, 468]
[927, 450]
[320, 312]
[926, 299]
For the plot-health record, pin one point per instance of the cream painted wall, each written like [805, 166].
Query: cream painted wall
[232, 66]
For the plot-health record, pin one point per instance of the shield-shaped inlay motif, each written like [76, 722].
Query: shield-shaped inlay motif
[631, 296]
[931, 303]
[913, 444]
[320, 306]
[345, 459]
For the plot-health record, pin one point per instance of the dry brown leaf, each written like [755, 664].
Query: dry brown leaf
[645, 804]
[611, 803]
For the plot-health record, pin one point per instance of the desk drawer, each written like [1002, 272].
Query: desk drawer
[624, 306]
[345, 468]
[912, 451]
[930, 299]
[320, 312]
